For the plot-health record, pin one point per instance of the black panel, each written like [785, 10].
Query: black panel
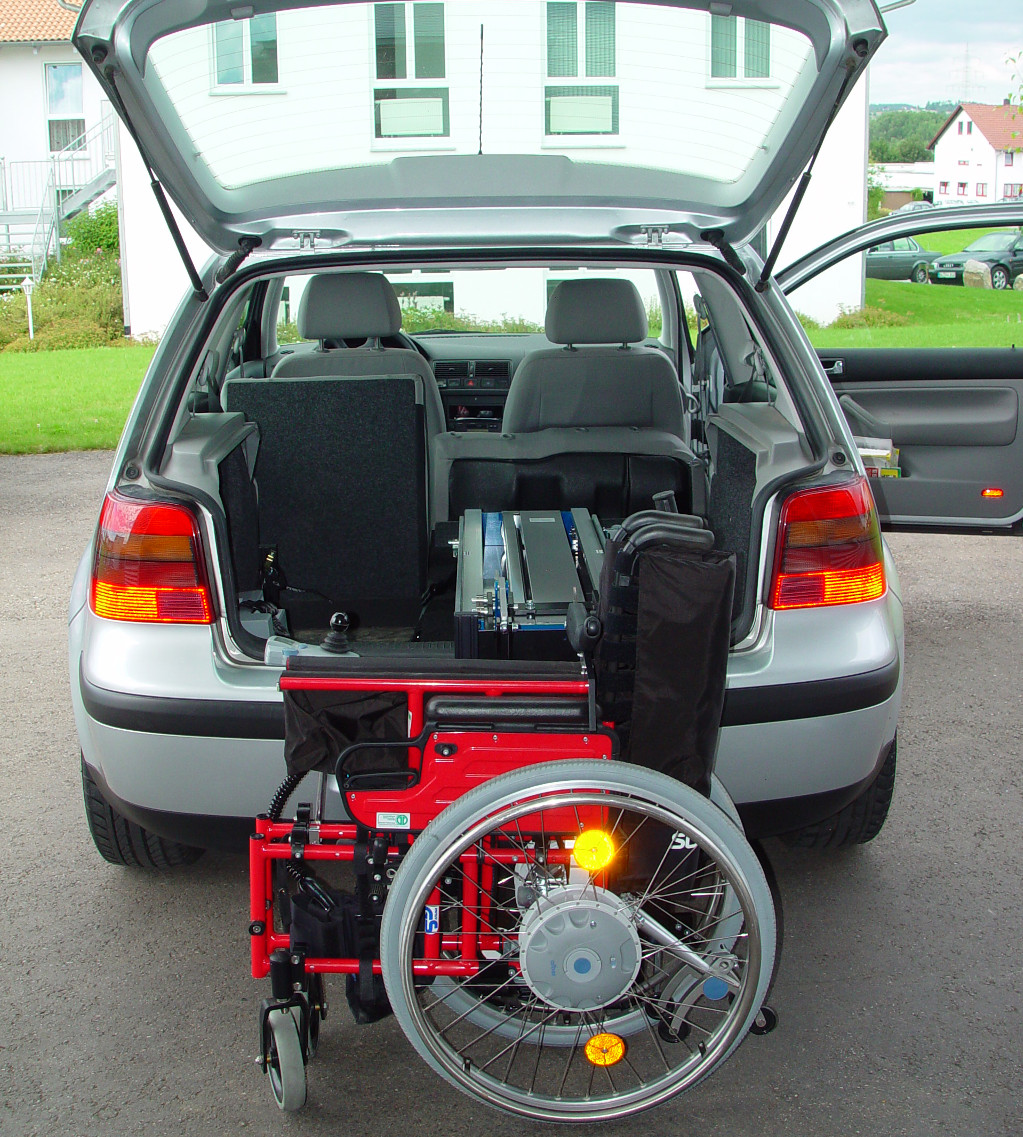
[731, 508]
[346, 512]
[609, 485]
[238, 493]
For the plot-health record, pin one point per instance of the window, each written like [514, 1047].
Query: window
[733, 40]
[415, 111]
[942, 187]
[969, 128]
[1008, 157]
[981, 189]
[960, 188]
[960, 126]
[581, 45]
[1012, 189]
[903, 245]
[65, 116]
[245, 52]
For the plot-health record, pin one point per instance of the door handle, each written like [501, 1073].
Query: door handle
[834, 369]
[874, 425]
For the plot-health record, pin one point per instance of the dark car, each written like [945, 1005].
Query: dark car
[1002, 252]
[901, 259]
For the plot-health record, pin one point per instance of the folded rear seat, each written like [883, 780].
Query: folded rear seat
[341, 475]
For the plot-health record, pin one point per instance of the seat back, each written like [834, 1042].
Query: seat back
[350, 306]
[346, 514]
[603, 376]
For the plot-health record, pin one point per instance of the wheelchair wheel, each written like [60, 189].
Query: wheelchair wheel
[616, 926]
[284, 1066]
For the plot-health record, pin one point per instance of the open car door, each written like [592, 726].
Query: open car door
[953, 413]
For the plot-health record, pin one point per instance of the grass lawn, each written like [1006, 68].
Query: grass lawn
[937, 316]
[68, 400]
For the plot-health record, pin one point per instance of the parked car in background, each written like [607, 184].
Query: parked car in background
[1002, 252]
[914, 206]
[900, 259]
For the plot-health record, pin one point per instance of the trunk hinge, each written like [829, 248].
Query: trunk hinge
[306, 238]
[245, 246]
[99, 54]
[860, 48]
[654, 234]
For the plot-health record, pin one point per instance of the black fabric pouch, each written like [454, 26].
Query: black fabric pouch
[318, 725]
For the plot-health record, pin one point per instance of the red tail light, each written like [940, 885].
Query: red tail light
[829, 549]
[148, 565]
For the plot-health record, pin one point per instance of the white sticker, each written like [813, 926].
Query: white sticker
[393, 821]
[431, 919]
[680, 841]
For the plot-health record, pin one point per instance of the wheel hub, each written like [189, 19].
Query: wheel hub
[578, 947]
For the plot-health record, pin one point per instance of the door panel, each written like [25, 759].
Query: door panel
[955, 417]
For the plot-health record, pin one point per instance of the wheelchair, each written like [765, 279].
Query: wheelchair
[562, 930]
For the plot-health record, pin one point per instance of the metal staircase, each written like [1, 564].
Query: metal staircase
[36, 198]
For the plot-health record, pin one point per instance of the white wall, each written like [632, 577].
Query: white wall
[23, 131]
[835, 202]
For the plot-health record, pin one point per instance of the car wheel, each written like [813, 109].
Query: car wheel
[999, 277]
[122, 842]
[920, 274]
[860, 821]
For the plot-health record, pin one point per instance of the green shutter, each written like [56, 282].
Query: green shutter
[723, 46]
[758, 50]
[263, 37]
[227, 47]
[428, 24]
[600, 38]
[562, 40]
[390, 41]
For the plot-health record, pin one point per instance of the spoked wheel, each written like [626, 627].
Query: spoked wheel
[615, 929]
[284, 1066]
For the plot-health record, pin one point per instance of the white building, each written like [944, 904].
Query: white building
[978, 154]
[579, 100]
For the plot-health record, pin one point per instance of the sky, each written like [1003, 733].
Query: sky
[949, 50]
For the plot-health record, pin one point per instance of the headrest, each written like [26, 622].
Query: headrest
[350, 305]
[596, 311]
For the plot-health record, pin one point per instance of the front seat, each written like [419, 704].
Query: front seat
[618, 383]
[357, 305]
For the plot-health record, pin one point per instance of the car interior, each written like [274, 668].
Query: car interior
[352, 463]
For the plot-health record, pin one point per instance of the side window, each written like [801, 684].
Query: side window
[65, 118]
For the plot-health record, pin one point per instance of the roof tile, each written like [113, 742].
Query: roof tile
[35, 21]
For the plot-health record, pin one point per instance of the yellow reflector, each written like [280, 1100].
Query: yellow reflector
[992, 491]
[594, 850]
[605, 1049]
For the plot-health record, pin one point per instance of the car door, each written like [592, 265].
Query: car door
[880, 260]
[943, 388]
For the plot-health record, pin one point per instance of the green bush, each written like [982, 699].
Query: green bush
[870, 317]
[76, 304]
[97, 230]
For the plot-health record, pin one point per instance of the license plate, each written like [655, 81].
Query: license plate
[946, 275]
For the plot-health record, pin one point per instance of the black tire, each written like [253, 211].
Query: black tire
[1000, 278]
[859, 822]
[122, 842]
[919, 274]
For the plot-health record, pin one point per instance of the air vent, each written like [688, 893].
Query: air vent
[451, 369]
[493, 369]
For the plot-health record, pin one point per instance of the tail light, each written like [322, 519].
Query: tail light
[829, 549]
[148, 565]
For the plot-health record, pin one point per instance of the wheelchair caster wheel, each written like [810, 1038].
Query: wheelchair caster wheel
[317, 1013]
[284, 1065]
[765, 1021]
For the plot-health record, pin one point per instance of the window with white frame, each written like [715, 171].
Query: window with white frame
[410, 58]
[739, 48]
[581, 45]
[65, 117]
[245, 52]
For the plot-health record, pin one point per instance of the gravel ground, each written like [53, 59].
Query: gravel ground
[128, 1007]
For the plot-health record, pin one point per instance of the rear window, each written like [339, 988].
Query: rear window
[351, 85]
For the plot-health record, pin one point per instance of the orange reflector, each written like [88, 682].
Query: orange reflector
[605, 1049]
[992, 491]
[593, 850]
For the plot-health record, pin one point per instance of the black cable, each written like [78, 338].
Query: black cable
[284, 791]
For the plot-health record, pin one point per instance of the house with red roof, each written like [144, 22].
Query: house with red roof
[56, 156]
[978, 154]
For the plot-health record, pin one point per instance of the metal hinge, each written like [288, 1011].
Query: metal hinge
[306, 238]
[655, 234]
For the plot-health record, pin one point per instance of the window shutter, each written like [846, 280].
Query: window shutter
[600, 38]
[562, 40]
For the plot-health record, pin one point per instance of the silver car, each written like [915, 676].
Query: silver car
[358, 167]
